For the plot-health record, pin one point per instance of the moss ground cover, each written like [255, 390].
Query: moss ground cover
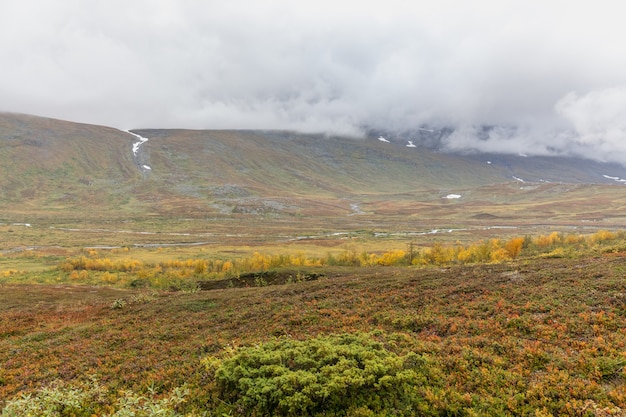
[531, 336]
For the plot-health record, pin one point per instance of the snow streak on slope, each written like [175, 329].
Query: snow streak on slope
[136, 146]
[617, 179]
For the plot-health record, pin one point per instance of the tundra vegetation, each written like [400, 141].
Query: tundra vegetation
[528, 325]
[225, 281]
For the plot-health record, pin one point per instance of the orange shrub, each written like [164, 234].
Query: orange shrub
[499, 255]
[602, 236]
[514, 246]
[573, 239]
[392, 258]
[550, 240]
[226, 266]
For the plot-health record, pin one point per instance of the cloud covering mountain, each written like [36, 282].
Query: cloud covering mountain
[543, 77]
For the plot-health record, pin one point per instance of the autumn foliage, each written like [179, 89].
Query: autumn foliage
[527, 326]
[175, 271]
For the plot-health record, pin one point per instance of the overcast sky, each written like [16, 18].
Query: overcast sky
[550, 74]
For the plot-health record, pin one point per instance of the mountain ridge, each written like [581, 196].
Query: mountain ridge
[50, 165]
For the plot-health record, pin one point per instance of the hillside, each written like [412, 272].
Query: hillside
[65, 171]
[56, 165]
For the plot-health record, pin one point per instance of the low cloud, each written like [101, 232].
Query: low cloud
[598, 122]
[502, 76]
[590, 125]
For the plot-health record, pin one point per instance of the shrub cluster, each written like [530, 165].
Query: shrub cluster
[554, 245]
[100, 264]
[332, 375]
[180, 273]
[60, 400]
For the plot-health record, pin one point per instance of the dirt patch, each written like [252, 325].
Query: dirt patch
[261, 279]
[484, 216]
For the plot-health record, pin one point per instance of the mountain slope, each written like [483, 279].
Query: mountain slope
[56, 164]
[50, 166]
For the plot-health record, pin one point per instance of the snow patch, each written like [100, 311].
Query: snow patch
[617, 179]
[453, 196]
[382, 139]
[141, 140]
[518, 179]
[411, 144]
[137, 144]
[356, 209]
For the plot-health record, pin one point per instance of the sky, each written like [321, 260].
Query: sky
[548, 77]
